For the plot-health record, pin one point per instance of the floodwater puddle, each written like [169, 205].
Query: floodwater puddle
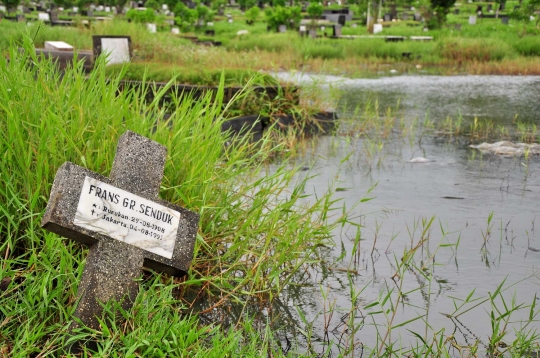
[442, 247]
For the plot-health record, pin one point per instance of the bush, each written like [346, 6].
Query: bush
[141, 16]
[252, 15]
[280, 15]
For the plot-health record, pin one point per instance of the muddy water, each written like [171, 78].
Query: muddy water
[460, 189]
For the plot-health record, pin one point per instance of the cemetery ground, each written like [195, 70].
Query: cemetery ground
[488, 47]
[260, 236]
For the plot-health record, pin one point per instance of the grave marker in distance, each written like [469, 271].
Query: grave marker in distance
[124, 223]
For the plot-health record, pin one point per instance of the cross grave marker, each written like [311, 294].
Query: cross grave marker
[124, 223]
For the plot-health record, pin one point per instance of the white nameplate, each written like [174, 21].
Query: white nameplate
[126, 217]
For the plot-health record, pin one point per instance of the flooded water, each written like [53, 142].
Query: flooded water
[482, 208]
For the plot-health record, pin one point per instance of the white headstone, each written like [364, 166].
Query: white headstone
[472, 20]
[242, 32]
[175, 31]
[20, 8]
[2, 8]
[230, 21]
[114, 11]
[75, 9]
[152, 28]
[377, 28]
[117, 50]
[60, 9]
[164, 7]
[282, 28]
[100, 8]
[532, 18]
[303, 28]
[58, 46]
[43, 16]
[210, 24]
[354, 26]
[107, 9]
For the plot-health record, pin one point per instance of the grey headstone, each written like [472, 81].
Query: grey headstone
[472, 20]
[282, 28]
[113, 265]
[337, 30]
[505, 20]
[387, 17]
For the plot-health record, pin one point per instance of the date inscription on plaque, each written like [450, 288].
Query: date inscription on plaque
[127, 217]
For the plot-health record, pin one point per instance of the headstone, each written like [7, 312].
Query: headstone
[26, 10]
[489, 7]
[230, 21]
[90, 13]
[456, 11]
[175, 31]
[337, 30]
[472, 20]
[170, 22]
[282, 28]
[342, 19]
[58, 46]
[502, 6]
[107, 9]
[505, 20]
[100, 8]
[133, 4]
[123, 221]
[405, 17]
[43, 16]
[114, 10]
[54, 16]
[354, 26]
[387, 17]
[377, 28]
[21, 18]
[75, 9]
[152, 28]
[210, 24]
[164, 7]
[20, 8]
[117, 48]
[313, 33]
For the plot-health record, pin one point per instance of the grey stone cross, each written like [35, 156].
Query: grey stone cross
[124, 223]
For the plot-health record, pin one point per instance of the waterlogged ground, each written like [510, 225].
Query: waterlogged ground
[471, 220]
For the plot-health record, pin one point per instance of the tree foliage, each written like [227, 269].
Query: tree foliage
[315, 10]
[280, 15]
[252, 14]
[142, 16]
[439, 9]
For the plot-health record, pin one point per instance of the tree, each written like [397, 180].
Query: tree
[315, 10]
[152, 4]
[439, 8]
[11, 4]
[141, 16]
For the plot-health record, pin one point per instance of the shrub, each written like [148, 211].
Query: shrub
[142, 16]
[252, 14]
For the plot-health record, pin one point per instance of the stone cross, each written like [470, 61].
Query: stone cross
[124, 223]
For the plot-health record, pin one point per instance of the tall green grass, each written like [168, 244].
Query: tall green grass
[256, 231]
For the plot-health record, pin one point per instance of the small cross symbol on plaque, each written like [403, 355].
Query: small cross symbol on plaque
[124, 223]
